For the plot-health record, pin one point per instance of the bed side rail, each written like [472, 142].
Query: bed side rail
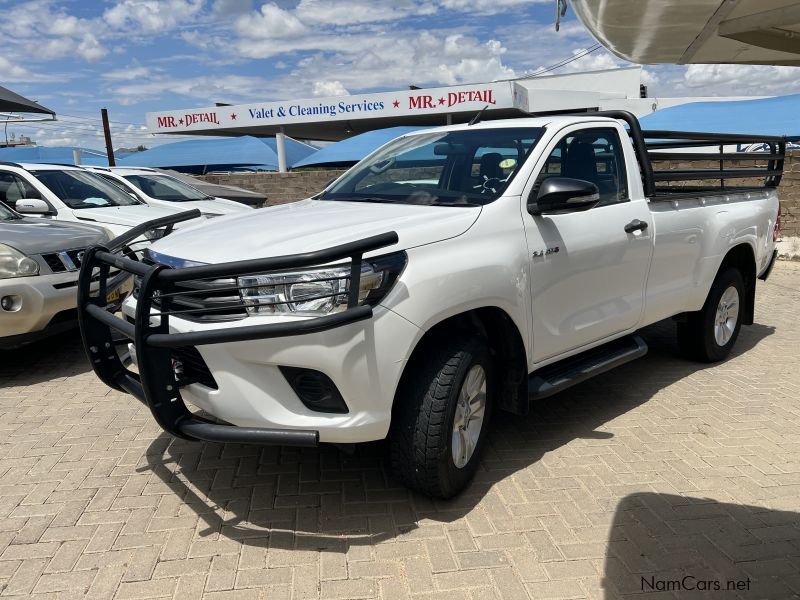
[758, 158]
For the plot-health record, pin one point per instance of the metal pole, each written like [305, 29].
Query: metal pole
[107, 133]
[76, 156]
[280, 143]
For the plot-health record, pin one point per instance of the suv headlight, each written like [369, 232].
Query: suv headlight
[320, 291]
[14, 263]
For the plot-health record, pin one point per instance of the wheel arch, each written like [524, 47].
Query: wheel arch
[505, 344]
[743, 258]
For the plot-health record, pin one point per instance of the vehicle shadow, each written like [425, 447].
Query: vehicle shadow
[323, 499]
[669, 546]
[50, 359]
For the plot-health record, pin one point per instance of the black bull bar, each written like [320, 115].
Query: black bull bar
[155, 384]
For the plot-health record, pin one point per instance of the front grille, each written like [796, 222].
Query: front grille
[61, 262]
[190, 367]
[55, 264]
[201, 300]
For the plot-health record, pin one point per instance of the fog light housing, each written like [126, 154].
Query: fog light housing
[11, 303]
[315, 390]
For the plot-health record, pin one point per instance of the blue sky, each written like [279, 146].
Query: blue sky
[135, 56]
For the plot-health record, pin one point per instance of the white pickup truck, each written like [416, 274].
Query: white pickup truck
[453, 272]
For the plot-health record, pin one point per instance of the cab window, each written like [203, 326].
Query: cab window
[593, 155]
[13, 188]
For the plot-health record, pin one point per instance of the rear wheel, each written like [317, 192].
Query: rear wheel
[440, 422]
[709, 334]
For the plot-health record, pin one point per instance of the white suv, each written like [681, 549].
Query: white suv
[67, 193]
[159, 189]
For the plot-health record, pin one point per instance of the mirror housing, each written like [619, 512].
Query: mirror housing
[32, 206]
[559, 195]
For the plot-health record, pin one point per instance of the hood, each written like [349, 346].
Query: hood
[126, 216]
[217, 206]
[37, 236]
[311, 225]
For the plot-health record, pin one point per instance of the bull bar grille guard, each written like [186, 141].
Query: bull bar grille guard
[155, 384]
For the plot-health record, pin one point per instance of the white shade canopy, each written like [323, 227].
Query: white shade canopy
[696, 31]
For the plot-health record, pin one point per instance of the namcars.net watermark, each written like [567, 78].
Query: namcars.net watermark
[690, 583]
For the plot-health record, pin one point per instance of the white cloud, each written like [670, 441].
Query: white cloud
[38, 30]
[328, 88]
[151, 16]
[91, 49]
[740, 80]
[487, 7]
[347, 12]
[205, 88]
[12, 72]
[271, 22]
[132, 72]
[421, 58]
[226, 8]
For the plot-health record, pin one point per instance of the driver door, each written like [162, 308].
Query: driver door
[587, 273]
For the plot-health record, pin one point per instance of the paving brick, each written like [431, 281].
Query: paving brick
[659, 467]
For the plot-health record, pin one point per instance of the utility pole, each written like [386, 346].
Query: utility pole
[107, 133]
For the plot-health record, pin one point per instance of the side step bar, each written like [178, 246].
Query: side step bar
[559, 376]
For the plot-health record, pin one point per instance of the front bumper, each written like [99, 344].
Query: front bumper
[253, 397]
[38, 300]
[364, 360]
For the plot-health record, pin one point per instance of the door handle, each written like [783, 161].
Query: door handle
[635, 225]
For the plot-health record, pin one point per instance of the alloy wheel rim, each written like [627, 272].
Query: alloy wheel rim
[727, 316]
[469, 416]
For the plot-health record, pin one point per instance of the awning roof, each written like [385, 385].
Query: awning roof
[767, 116]
[696, 31]
[353, 149]
[218, 154]
[13, 102]
[61, 155]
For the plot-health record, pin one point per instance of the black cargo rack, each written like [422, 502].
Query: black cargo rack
[155, 384]
[659, 146]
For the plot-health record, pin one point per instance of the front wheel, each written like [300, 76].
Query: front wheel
[709, 334]
[441, 418]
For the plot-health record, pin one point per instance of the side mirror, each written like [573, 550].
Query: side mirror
[32, 206]
[558, 195]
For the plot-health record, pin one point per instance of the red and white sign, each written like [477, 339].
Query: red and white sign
[454, 99]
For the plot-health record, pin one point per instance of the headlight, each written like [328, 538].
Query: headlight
[14, 263]
[319, 291]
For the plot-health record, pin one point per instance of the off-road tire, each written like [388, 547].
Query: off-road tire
[696, 334]
[420, 436]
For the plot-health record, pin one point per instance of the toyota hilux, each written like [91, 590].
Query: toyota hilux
[451, 273]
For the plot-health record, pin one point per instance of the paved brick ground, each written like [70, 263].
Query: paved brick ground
[661, 469]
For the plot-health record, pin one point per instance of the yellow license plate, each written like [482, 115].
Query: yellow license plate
[113, 296]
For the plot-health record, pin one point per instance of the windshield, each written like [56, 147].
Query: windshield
[80, 189]
[164, 187]
[6, 214]
[468, 167]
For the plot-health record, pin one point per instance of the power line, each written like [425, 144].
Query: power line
[563, 63]
[85, 118]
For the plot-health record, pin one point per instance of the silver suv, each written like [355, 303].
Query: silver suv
[39, 263]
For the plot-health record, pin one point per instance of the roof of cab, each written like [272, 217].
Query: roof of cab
[554, 120]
